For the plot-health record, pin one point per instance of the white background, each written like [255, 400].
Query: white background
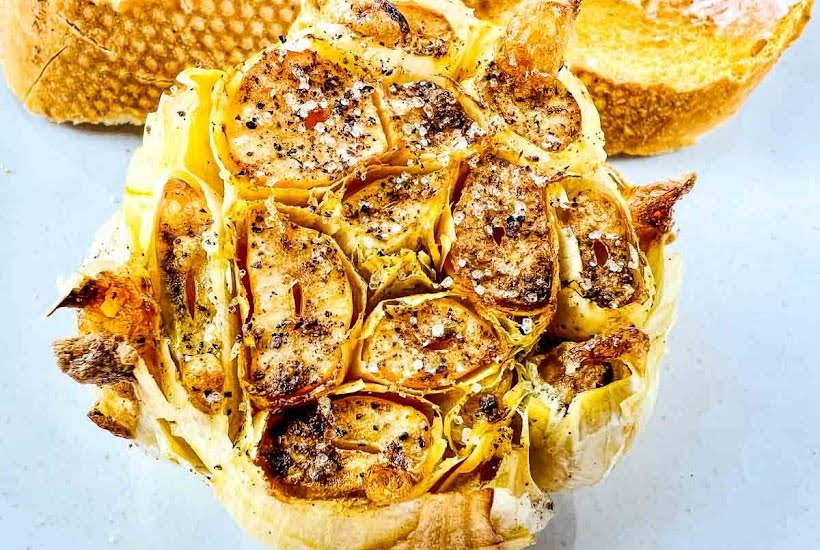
[730, 460]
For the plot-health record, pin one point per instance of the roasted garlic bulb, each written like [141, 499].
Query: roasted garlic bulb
[377, 283]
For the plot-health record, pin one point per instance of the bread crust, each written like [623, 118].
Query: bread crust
[108, 61]
[647, 118]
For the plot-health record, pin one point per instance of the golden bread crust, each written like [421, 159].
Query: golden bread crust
[108, 62]
[646, 116]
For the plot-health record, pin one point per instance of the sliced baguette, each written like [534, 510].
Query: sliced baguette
[664, 72]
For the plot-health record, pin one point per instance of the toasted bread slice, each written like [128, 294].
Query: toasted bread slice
[108, 61]
[663, 72]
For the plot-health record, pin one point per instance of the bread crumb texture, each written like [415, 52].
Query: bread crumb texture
[109, 61]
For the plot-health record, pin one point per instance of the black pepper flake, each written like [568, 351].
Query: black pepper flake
[279, 462]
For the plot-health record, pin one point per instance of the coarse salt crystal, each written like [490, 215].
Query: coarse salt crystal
[355, 130]
[474, 130]
[304, 81]
[539, 180]
[460, 144]
[613, 266]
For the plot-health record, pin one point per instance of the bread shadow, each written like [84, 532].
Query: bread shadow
[102, 129]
